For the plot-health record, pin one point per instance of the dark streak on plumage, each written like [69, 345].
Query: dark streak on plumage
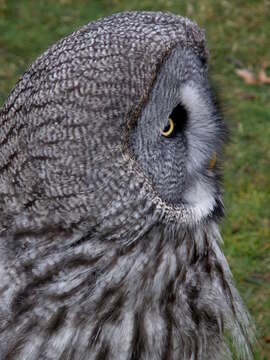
[138, 341]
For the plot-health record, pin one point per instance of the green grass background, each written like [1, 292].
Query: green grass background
[237, 29]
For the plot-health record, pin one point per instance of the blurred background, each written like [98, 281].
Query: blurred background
[238, 35]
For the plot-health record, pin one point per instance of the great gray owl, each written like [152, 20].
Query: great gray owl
[110, 200]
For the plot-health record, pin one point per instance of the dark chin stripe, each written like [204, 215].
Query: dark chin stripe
[218, 212]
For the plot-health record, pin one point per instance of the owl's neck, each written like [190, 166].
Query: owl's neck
[166, 296]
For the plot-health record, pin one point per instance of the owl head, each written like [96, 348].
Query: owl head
[117, 126]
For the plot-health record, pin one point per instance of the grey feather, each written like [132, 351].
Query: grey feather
[110, 247]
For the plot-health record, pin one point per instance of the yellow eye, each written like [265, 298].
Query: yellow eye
[168, 130]
[213, 161]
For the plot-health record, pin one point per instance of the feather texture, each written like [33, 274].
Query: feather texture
[110, 247]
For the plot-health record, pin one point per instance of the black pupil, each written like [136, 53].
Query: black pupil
[179, 117]
[167, 127]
